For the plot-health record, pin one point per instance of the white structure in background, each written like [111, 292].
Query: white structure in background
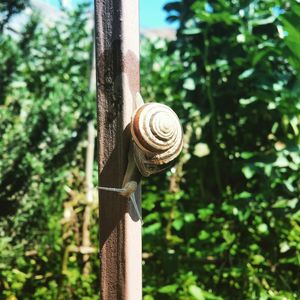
[162, 33]
[49, 15]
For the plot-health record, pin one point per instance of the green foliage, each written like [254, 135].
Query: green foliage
[224, 222]
[45, 106]
[230, 227]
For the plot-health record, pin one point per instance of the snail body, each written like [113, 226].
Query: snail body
[158, 137]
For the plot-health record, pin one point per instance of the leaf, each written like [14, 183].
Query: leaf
[204, 235]
[201, 150]
[246, 74]
[189, 217]
[168, 289]
[171, 6]
[284, 247]
[152, 229]
[177, 224]
[247, 155]
[292, 40]
[189, 84]
[258, 259]
[248, 101]
[281, 162]
[196, 292]
[248, 171]
[263, 228]
[191, 31]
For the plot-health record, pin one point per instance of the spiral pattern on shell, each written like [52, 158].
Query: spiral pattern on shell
[157, 132]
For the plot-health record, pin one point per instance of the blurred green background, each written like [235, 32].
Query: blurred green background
[224, 222]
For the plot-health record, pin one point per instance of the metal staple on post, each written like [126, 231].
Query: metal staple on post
[117, 67]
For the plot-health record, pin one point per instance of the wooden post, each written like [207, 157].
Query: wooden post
[117, 68]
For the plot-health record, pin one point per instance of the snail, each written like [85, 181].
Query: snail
[157, 137]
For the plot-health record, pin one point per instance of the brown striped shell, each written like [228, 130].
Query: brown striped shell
[157, 136]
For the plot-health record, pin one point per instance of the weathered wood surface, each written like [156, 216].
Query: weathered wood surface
[117, 67]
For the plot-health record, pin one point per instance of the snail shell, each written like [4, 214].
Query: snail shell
[157, 136]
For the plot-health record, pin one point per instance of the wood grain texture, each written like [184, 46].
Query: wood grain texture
[117, 68]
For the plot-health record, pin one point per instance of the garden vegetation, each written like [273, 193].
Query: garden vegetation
[224, 222]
